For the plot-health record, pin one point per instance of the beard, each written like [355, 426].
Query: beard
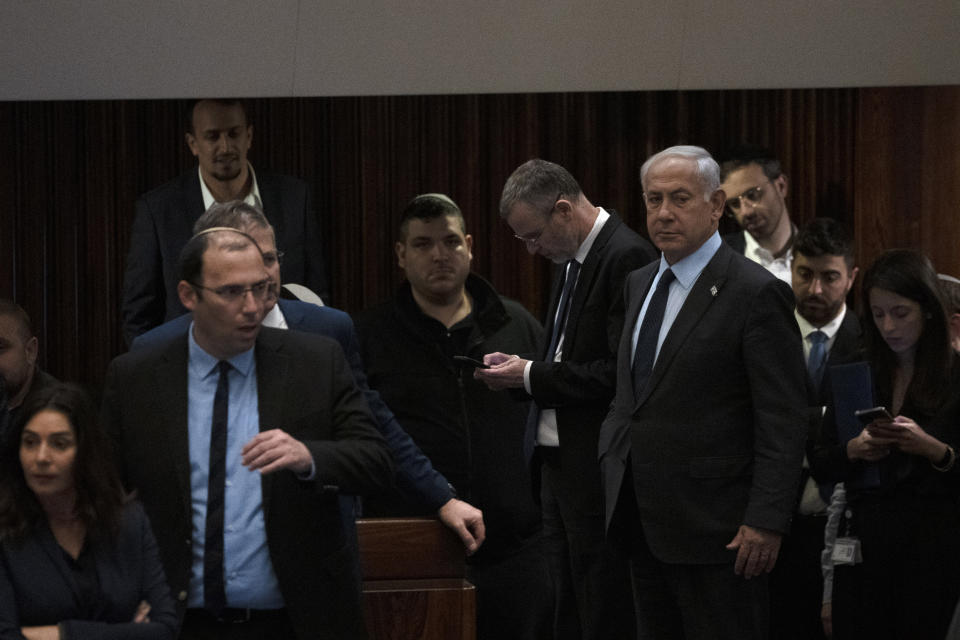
[818, 311]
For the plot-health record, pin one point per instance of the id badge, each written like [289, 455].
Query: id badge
[846, 550]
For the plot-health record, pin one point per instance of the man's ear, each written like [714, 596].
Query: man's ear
[401, 250]
[853, 278]
[954, 320]
[468, 241]
[718, 200]
[192, 143]
[249, 135]
[187, 294]
[782, 183]
[32, 347]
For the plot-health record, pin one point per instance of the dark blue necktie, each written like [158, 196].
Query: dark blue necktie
[643, 357]
[214, 592]
[818, 356]
[563, 308]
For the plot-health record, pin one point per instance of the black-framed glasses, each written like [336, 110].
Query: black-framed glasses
[535, 238]
[753, 196]
[234, 292]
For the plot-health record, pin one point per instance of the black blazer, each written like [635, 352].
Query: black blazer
[304, 386]
[717, 439]
[37, 586]
[581, 386]
[164, 223]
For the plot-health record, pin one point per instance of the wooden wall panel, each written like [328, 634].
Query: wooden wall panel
[882, 159]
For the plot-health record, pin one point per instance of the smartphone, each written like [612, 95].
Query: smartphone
[471, 361]
[867, 416]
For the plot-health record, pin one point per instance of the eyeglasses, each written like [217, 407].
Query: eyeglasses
[535, 238]
[271, 258]
[752, 196]
[234, 292]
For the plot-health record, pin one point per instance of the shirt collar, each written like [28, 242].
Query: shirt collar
[688, 269]
[253, 198]
[202, 364]
[587, 244]
[831, 328]
[275, 318]
[753, 248]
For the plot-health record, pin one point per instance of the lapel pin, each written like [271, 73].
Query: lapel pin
[713, 291]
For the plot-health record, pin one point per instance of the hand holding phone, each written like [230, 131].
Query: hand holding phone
[467, 360]
[866, 416]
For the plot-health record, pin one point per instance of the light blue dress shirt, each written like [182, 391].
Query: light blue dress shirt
[687, 271]
[248, 573]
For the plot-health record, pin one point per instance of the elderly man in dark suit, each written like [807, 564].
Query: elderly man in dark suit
[220, 137]
[572, 384]
[238, 440]
[702, 449]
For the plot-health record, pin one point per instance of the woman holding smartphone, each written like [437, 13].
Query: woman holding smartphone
[77, 559]
[908, 527]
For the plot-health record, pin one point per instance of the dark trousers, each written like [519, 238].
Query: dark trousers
[909, 581]
[687, 601]
[591, 578]
[796, 583]
[514, 593]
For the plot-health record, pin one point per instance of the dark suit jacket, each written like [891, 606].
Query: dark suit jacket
[416, 478]
[717, 438]
[304, 387]
[164, 223]
[736, 240]
[37, 586]
[847, 347]
[581, 386]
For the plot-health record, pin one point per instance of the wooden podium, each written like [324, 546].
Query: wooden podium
[414, 581]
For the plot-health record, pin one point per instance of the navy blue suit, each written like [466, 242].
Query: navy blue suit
[415, 475]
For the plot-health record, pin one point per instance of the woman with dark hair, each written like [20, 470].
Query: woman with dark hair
[77, 560]
[905, 520]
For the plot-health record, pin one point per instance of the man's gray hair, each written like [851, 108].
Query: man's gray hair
[537, 183]
[235, 214]
[708, 171]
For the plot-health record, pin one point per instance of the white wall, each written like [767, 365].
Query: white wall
[88, 49]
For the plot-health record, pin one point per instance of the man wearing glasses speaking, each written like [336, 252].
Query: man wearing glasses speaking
[756, 189]
[239, 440]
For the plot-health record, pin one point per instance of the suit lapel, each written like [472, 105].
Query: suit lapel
[588, 273]
[48, 542]
[271, 370]
[170, 411]
[270, 198]
[292, 313]
[193, 196]
[705, 290]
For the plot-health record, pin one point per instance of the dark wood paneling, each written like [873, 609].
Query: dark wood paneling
[883, 160]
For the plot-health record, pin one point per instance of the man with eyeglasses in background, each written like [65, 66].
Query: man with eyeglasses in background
[572, 385]
[756, 189]
[239, 440]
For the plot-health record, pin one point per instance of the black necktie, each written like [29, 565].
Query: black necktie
[563, 308]
[649, 334]
[214, 593]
